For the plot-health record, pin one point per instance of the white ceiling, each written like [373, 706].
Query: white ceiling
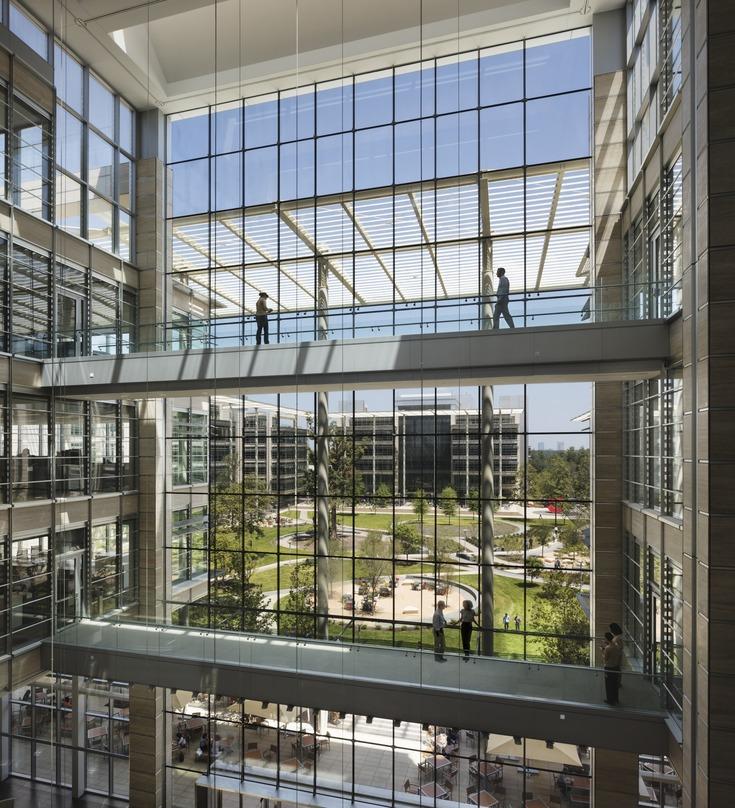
[177, 54]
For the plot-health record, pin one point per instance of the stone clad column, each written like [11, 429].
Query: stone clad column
[147, 737]
[708, 145]
[615, 774]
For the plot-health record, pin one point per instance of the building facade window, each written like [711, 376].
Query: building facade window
[95, 155]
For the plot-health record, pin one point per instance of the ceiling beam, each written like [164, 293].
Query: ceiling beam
[309, 242]
[361, 230]
[427, 243]
[550, 222]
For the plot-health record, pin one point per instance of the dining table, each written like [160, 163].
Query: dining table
[434, 790]
[482, 798]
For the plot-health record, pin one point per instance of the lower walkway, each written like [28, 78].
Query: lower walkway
[555, 702]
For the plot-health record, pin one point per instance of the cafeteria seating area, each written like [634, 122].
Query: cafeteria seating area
[252, 740]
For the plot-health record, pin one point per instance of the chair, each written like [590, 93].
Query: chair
[554, 799]
[271, 753]
[410, 788]
[326, 742]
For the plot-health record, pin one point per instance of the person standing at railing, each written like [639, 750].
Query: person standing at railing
[438, 622]
[502, 300]
[612, 657]
[467, 616]
[261, 318]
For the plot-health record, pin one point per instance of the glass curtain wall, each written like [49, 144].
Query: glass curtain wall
[404, 518]
[400, 189]
[95, 155]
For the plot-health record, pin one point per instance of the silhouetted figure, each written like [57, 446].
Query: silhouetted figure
[261, 318]
[502, 299]
[612, 657]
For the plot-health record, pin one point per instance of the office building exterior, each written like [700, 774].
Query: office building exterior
[219, 558]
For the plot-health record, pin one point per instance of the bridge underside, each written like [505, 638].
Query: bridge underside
[585, 352]
[552, 702]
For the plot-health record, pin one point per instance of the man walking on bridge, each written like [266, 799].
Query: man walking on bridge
[502, 299]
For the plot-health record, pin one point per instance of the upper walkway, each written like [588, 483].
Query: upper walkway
[593, 351]
[554, 702]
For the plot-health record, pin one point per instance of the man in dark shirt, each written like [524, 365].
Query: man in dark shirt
[261, 318]
[501, 303]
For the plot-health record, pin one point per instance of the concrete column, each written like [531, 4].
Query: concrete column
[146, 706]
[152, 509]
[607, 512]
[615, 781]
[78, 737]
[147, 739]
[615, 774]
[322, 468]
[708, 145]
[610, 162]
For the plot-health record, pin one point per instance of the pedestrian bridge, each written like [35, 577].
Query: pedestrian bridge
[550, 702]
[584, 352]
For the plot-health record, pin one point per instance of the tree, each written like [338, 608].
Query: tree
[540, 532]
[448, 502]
[383, 495]
[345, 480]
[473, 501]
[562, 623]
[420, 506]
[242, 507]
[407, 538]
[534, 565]
[373, 565]
[242, 606]
[297, 608]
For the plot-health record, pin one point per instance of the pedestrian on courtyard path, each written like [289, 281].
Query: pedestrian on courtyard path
[506, 621]
[518, 622]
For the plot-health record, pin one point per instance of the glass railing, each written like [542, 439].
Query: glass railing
[436, 316]
[399, 666]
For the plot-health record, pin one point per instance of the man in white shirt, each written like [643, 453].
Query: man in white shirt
[502, 299]
[438, 622]
[261, 318]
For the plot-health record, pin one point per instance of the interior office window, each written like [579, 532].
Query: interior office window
[128, 319]
[4, 594]
[128, 563]
[103, 316]
[31, 161]
[4, 316]
[129, 446]
[101, 107]
[104, 569]
[71, 448]
[68, 78]
[72, 297]
[104, 449]
[3, 140]
[27, 29]
[30, 589]
[31, 302]
[70, 574]
[30, 448]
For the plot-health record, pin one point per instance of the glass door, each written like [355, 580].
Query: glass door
[70, 311]
[69, 588]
